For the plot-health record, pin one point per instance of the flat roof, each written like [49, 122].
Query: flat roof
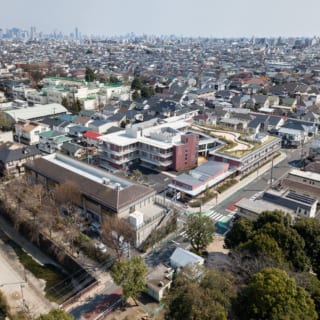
[305, 174]
[97, 175]
[37, 111]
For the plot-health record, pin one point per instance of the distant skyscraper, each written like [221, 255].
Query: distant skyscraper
[33, 32]
[76, 33]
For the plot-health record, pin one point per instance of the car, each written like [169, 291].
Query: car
[101, 247]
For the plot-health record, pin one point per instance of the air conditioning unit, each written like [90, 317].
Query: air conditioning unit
[105, 181]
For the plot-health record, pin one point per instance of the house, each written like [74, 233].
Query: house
[159, 281]
[13, 156]
[27, 132]
[51, 141]
[99, 126]
[76, 132]
[181, 258]
[83, 121]
[91, 138]
[296, 132]
[73, 150]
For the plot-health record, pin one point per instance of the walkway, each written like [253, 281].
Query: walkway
[241, 184]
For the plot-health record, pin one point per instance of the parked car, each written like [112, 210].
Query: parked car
[100, 246]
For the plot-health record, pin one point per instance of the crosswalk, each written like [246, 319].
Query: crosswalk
[256, 195]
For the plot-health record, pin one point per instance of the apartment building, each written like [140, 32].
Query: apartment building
[162, 146]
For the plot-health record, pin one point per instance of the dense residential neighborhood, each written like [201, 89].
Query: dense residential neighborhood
[184, 170]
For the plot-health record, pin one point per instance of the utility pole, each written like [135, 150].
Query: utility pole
[271, 172]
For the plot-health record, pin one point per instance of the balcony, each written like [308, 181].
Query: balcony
[157, 162]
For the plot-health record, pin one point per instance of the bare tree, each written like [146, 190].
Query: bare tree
[67, 196]
[117, 233]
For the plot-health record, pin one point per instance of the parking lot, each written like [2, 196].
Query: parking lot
[153, 178]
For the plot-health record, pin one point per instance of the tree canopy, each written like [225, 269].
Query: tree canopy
[208, 297]
[56, 314]
[131, 276]
[309, 230]
[271, 235]
[200, 230]
[272, 294]
[90, 75]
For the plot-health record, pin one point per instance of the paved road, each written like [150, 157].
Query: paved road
[262, 182]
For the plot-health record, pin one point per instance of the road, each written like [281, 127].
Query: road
[162, 252]
[262, 182]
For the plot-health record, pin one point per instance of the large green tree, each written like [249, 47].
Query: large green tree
[207, 297]
[56, 314]
[272, 294]
[269, 233]
[89, 75]
[240, 232]
[309, 230]
[136, 84]
[265, 246]
[291, 243]
[131, 276]
[199, 230]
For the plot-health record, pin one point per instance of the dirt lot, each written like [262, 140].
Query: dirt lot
[134, 312]
[217, 254]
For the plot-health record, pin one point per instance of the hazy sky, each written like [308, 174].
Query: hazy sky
[216, 18]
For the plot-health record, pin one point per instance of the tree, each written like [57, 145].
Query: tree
[4, 122]
[131, 276]
[117, 234]
[136, 84]
[277, 216]
[67, 195]
[137, 174]
[290, 242]
[56, 314]
[311, 284]
[272, 294]
[265, 246]
[113, 79]
[200, 230]
[4, 307]
[65, 103]
[147, 92]
[240, 232]
[206, 297]
[90, 75]
[135, 95]
[309, 230]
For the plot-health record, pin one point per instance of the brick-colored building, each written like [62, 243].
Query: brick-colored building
[185, 154]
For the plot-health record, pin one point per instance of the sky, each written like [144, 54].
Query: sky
[205, 18]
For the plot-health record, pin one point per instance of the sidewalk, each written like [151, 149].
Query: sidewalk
[241, 184]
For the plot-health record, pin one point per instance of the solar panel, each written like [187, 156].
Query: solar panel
[300, 197]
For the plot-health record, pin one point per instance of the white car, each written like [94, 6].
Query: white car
[100, 246]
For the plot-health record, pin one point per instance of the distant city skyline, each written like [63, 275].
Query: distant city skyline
[204, 18]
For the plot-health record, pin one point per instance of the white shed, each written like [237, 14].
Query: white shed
[181, 257]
